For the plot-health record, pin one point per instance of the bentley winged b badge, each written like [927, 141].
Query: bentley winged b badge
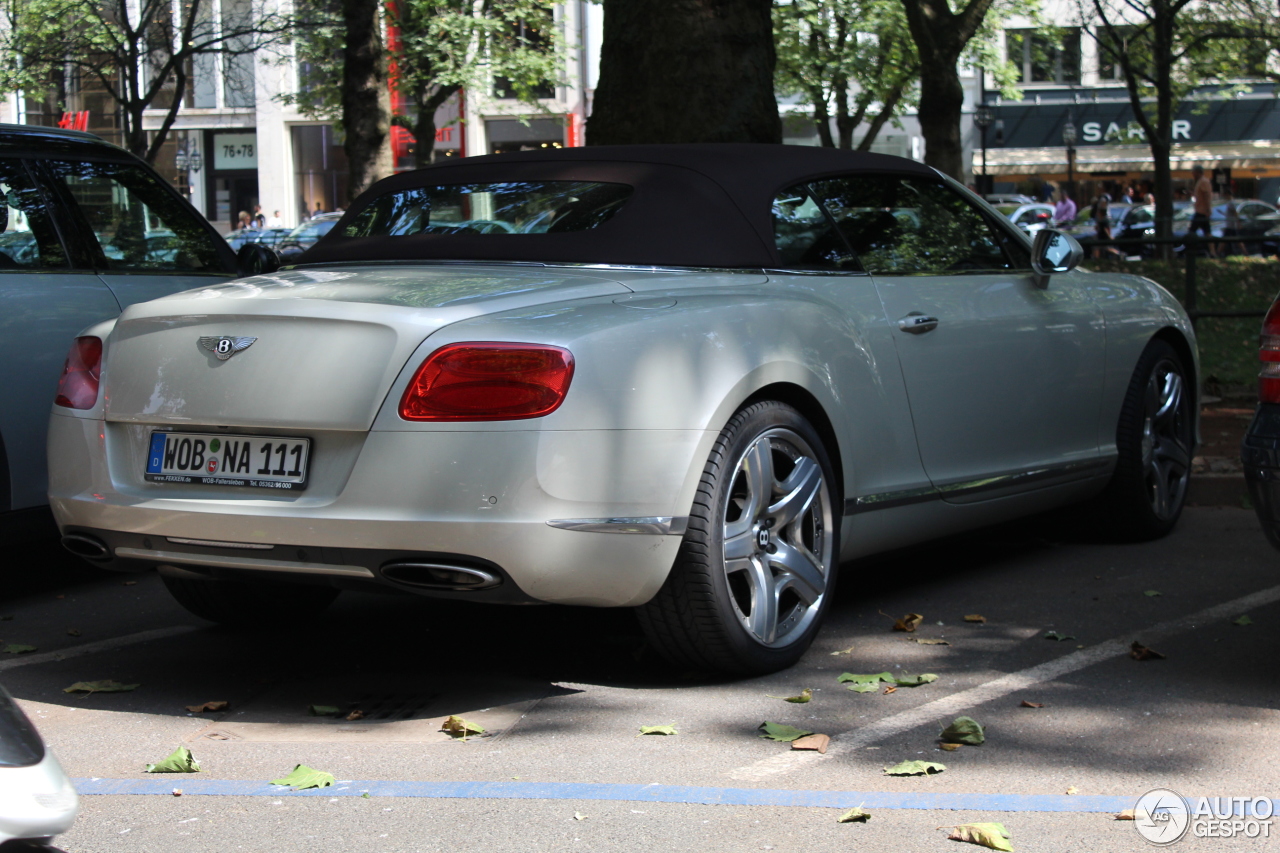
[224, 347]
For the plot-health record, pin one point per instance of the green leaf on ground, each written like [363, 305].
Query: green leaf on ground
[992, 835]
[803, 697]
[854, 816]
[1242, 620]
[780, 732]
[304, 777]
[915, 768]
[849, 677]
[868, 687]
[180, 761]
[1054, 635]
[657, 730]
[323, 710]
[905, 680]
[366, 796]
[1151, 593]
[461, 728]
[18, 649]
[105, 686]
[928, 642]
[964, 730]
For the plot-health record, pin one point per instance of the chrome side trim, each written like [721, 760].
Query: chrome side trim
[781, 271]
[210, 543]
[548, 264]
[889, 500]
[179, 558]
[652, 525]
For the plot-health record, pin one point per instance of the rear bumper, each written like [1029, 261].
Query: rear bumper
[1260, 455]
[480, 499]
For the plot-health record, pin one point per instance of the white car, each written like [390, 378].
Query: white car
[720, 371]
[37, 801]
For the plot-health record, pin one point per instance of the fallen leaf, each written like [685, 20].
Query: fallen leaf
[926, 642]
[1026, 704]
[209, 706]
[357, 714]
[846, 677]
[964, 730]
[992, 835]
[1242, 620]
[1073, 790]
[1140, 652]
[780, 732]
[889, 688]
[304, 777]
[975, 617]
[949, 747]
[1127, 814]
[908, 623]
[818, 742]
[868, 687]
[177, 792]
[18, 649]
[105, 686]
[847, 651]
[366, 796]
[72, 632]
[915, 768]
[179, 761]
[1054, 635]
[905, 680]
[803, 697]
[460, 728]
[1151, 593]
[579, 816]
[854, 816]
[129, 583]
[324, 710]
[657, 730]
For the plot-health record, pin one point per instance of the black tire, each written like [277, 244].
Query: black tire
[249, 604]
[705, 616]
[1146, 494]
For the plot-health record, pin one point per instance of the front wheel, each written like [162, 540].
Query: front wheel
[756, 571]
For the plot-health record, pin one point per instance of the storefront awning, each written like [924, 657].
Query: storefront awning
[1250, 154]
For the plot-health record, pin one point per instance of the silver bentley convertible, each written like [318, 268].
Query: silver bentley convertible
[690, 380]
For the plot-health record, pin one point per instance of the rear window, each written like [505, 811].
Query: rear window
[502, 209]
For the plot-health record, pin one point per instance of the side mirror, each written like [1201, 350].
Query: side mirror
[1054, 252]
[256, 259]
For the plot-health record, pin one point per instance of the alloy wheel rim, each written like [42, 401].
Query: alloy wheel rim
[1166, 442]
[777, 538]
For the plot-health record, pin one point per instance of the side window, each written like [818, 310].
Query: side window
[900, 225]
[28, 239]
[1139, 216]
[139, 225]
[804, 235]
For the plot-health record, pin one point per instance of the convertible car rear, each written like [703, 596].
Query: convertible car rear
[686, 379]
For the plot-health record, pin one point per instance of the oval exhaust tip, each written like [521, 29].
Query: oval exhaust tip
[89, 547]
[421, 574]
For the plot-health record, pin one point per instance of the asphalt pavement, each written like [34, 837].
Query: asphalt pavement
[563, 692]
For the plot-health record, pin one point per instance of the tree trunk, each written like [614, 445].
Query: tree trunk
[366, 101]
[882, 118]
[686, 71]
[424, 126]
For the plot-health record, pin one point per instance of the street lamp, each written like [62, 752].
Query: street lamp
[983, 117]
[1069, 139]
[187, 163]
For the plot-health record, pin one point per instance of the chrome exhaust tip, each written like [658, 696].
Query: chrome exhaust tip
[425, 574]
[89, 547]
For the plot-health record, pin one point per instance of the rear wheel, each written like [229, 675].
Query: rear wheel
[247, 603]
[757, 567]
[1155, 441]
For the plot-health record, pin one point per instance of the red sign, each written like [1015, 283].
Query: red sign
[75, 121]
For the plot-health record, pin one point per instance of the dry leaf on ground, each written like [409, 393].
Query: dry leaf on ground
[657, 730]
[975, 617]
[803, 697]
[1140, 652]
[818, 742]
[889, 688]
[949, 747]
[1127, 814]
[460, 728]
[992, 835]
[1026, 704]
[104, 686]
[357, 714]
[858, 815]
[908, 622]
[209, 706]
[1073, 790]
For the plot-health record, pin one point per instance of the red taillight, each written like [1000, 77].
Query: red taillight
[1269, 354]
[78, 387]
[488, 382]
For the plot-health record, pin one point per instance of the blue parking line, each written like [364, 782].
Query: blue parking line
[195, 786]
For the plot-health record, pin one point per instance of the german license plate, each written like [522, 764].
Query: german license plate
[259, 461]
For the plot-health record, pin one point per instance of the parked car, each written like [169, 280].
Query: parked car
[265, 236]
[306, 235]
[86, 229]
[1008, 198]
[1085, 227]
[37, 800]
[1028, 217]
[722, 370]
[1256, 218]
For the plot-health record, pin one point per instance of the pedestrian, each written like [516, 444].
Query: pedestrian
[276, 220]
[259, 218]
[1202, 204]
[1102, 226]
[245, 221]
[1064, 212]
[1231, 226]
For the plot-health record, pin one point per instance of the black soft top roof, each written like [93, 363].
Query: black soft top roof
[703, 205]
[31, 140]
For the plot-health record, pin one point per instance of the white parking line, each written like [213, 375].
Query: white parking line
[938, 709]
[99, 646]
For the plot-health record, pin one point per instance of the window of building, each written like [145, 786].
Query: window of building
[1045, 56]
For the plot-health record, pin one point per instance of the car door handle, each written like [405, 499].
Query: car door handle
[917, 323]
